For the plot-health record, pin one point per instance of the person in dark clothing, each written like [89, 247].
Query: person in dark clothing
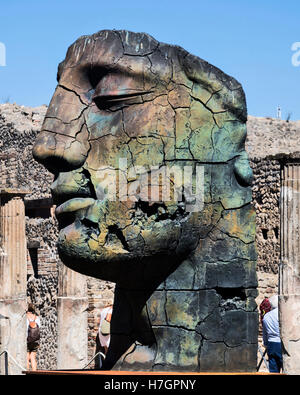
[33, 336]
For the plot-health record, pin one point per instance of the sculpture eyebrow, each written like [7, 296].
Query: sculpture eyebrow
[119, 69]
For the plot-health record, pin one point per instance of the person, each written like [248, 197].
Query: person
[271, 336]
[33, 336]
[104, 336]
[99, 348]
[264, 308]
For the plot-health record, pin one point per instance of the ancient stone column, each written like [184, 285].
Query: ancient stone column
[72, 320]
[289, 280]
[13, 279]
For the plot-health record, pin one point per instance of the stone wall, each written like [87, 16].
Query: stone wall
[19, 127]
[266, 195]
[269, 137]
[42, 292]
[267, 140]
[8, 168]
[42, 261]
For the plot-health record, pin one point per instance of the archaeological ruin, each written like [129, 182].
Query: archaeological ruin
[69, 302]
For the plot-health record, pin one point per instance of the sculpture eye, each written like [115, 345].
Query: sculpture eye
[117, 101]
[115, 89]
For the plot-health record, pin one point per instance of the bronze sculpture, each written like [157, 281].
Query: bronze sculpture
[185, 279]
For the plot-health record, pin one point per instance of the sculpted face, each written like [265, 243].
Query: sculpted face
[125, 101]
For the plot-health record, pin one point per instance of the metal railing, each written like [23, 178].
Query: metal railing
[262, 359]
[94, 357]
[7, 356]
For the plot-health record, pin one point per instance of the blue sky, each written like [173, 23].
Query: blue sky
[248, 39]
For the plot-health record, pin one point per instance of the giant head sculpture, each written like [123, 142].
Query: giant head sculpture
[152, 187]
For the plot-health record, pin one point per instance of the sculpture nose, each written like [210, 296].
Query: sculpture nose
[59, 153]
[63, 143]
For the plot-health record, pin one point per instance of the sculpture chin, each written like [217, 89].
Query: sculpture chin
[123, 256]
[80, 249]
[113, 241]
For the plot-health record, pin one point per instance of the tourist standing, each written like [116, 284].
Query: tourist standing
[271, 336]
[33, 336]
[104, 327]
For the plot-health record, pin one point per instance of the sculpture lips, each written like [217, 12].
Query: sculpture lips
[74, 204]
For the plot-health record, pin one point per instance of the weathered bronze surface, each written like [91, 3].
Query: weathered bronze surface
[186, 280]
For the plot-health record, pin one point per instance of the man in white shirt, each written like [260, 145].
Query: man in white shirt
[271, 336]
[105, 338]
